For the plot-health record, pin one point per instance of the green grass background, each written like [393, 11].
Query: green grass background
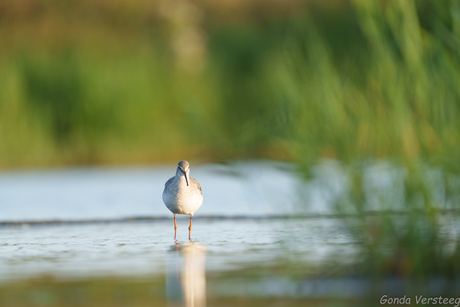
[100, 83]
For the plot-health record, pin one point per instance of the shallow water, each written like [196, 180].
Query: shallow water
[243, 246]
[228, 258]
[235, 230]
[103, 193]
[132, 248]
[259, 188]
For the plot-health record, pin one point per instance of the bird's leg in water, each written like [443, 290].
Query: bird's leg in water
[190, 229]
[175, 227]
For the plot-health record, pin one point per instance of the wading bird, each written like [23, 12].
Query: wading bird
[182, 194]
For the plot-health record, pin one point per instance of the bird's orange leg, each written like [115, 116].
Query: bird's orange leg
[190, 229]
[175, 227]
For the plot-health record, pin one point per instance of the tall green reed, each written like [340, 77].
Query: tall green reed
[397, 102]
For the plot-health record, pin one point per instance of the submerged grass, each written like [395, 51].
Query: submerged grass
[136, 292]
[397, 102]
[47, 291]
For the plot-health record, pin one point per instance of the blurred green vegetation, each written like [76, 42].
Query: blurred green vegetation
[131, 291]
[98, 82]
[47, 291]
[133, 82]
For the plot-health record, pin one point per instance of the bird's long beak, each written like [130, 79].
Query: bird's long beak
[186, 179]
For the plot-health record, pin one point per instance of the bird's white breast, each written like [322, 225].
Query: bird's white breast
[180, 198]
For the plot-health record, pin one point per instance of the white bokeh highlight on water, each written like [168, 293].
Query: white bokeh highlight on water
[240, 189]
[244, 188]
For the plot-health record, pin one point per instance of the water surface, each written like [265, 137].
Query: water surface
[132, 248]
[261, 232]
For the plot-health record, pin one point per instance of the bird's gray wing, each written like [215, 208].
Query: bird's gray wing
[196, 184]
[168, 182]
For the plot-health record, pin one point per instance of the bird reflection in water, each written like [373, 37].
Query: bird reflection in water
[185, 275]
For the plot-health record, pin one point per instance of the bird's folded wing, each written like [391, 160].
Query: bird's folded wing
[168, 182]
[196, 184]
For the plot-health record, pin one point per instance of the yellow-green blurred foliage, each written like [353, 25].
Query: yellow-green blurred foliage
[134, 81]
[140, 81]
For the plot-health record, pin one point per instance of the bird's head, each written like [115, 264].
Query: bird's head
[183, 167]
